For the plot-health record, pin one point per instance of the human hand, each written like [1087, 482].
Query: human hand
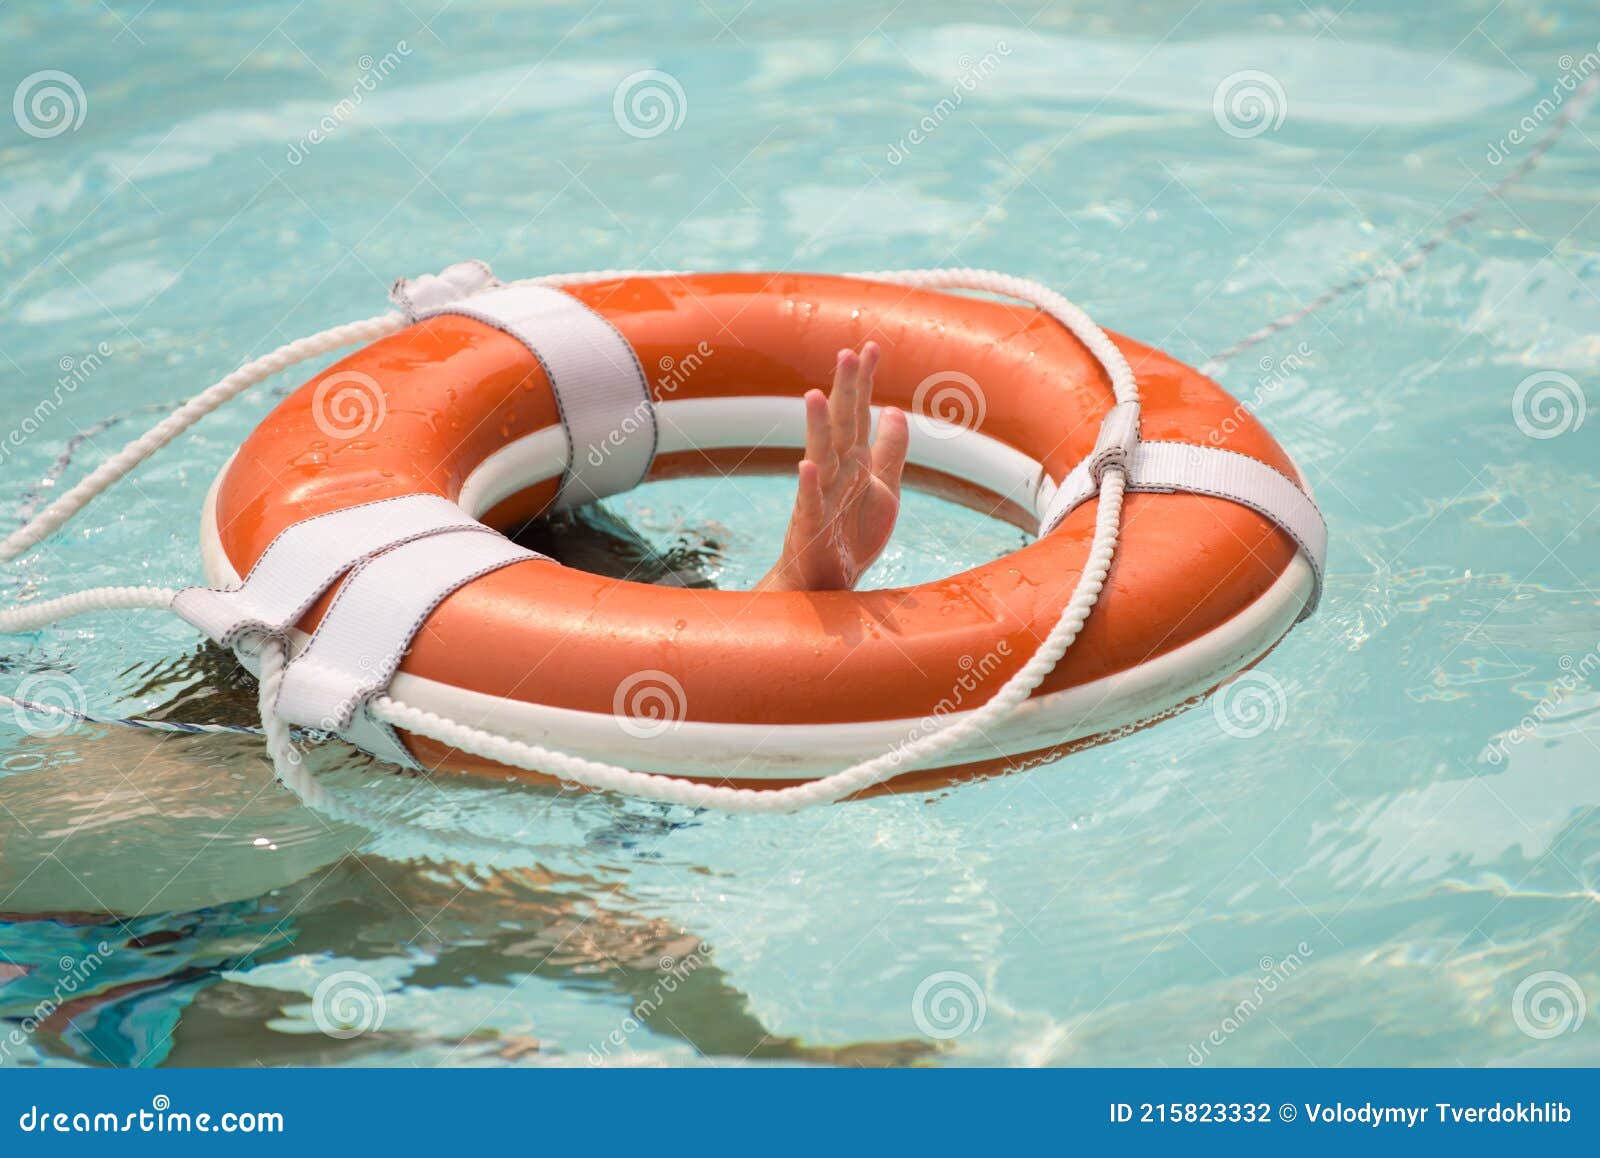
[849, 496]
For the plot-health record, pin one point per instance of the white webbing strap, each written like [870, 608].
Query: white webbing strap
[369, 626]
[600, 388]
[1167, 467]
[308, 558]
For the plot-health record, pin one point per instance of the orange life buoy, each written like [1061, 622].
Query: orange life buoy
[774, 688]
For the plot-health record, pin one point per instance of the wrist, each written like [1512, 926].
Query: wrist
[782, 577]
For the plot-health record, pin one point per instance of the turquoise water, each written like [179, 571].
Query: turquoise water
[1396, 863]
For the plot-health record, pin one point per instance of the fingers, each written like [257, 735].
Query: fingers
[842, 400]
[889, 448]
[807, 521]
[795, 569]
[819, 435]
[869, 365]
[850, 400]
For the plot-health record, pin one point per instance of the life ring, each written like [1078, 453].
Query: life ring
[776, 688]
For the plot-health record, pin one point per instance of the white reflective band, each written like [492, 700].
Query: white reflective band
[370, 623]
[308, 558]
[1209, 470]
[600, 388]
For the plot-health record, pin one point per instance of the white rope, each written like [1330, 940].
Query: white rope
[286, 758]
[103, 477]
[33, 616]
[287, 763]
[1035, 293]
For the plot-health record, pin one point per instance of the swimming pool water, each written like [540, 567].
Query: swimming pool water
[1388, 855]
